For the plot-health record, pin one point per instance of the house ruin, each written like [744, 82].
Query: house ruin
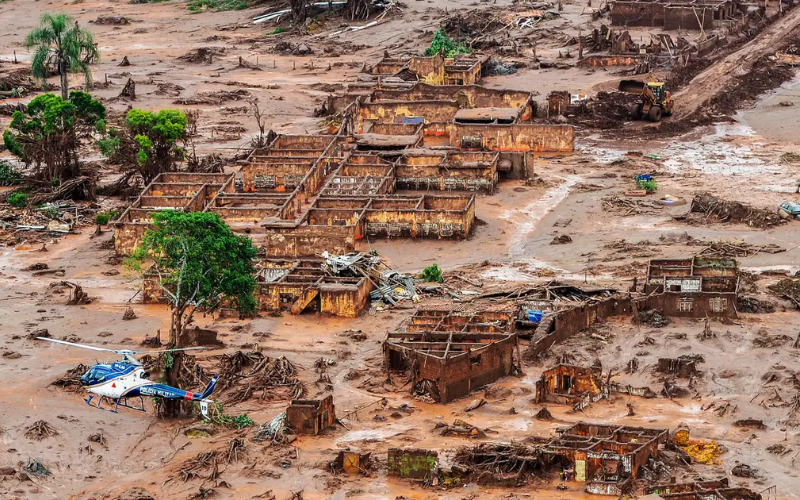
[607, 458]
[676, 15]
[567, 384]
[693, 288]
[449, 354]
[311, 416]
[702, 490]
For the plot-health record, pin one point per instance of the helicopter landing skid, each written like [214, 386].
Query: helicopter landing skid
[123, 402]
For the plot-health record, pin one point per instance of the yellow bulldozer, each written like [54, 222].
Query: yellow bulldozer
[655, 100]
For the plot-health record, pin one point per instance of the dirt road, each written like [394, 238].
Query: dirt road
[720, 75]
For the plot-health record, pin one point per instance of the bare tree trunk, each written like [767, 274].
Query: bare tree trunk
[172, 407]
[299, 11]
[357, 9]
[62, 71]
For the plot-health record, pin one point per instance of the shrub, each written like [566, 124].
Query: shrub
[442, 43]
[649, 186]
[432, 273]
[102, 218]
[18, 200]
[9, 176]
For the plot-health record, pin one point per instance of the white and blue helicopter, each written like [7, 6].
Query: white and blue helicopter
[125, 379]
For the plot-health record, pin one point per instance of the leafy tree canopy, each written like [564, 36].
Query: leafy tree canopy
[48, 134]
[200, 261]
[60, 44]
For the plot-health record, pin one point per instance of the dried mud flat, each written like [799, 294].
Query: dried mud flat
[749, 371]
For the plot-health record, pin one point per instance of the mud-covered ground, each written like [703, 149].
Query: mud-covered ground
[747, 365]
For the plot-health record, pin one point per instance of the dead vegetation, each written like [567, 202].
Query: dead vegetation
[717, 210]
[731, 249]
[626, 207]
[76, 294]
[215, 97]
[275, 378]
[40, 430]
[787, 288]
[202, 55]
[204, 465]
[71, 380]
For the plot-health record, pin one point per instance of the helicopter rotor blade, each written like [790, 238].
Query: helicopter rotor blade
[169, 350]
[121, 352]
[84, 346]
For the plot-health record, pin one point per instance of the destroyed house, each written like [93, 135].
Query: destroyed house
[303, 285]
[429, 104]
[567, 384]
[694, 288]
[702, 490]
[311, 416]
[607, 458]
[674, 15]
[187, 192]
[345, 196]
[552, 298]
[465, 69]
[449, 354]
[465, 117]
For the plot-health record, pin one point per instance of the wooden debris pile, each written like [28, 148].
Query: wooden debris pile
[275, 378]
[505, 464]
[625, 207]
[202, 55]
[728, 249]
[787, 288]
[71, 381]
[203, 466]
[717, 210]
[216, 97]
[40, 430]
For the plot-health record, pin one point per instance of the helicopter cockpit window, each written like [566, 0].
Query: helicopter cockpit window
[96, 372]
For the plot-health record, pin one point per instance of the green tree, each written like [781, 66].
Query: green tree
[147, 144]
[155, 137]
[200, 264]
[60, 44]
[50, 131]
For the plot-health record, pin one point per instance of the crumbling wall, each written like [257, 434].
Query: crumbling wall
[439, 217]
[308, 241]
[428, 69]
[566, 323]
[516, 137]
[274, 174]
[694, 305]
[311, 416]
[128, 236]
[429, 111]
[689, 17]
[345, 300]
[637, 13]
[466, 372]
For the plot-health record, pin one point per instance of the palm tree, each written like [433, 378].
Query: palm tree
[61, 44]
